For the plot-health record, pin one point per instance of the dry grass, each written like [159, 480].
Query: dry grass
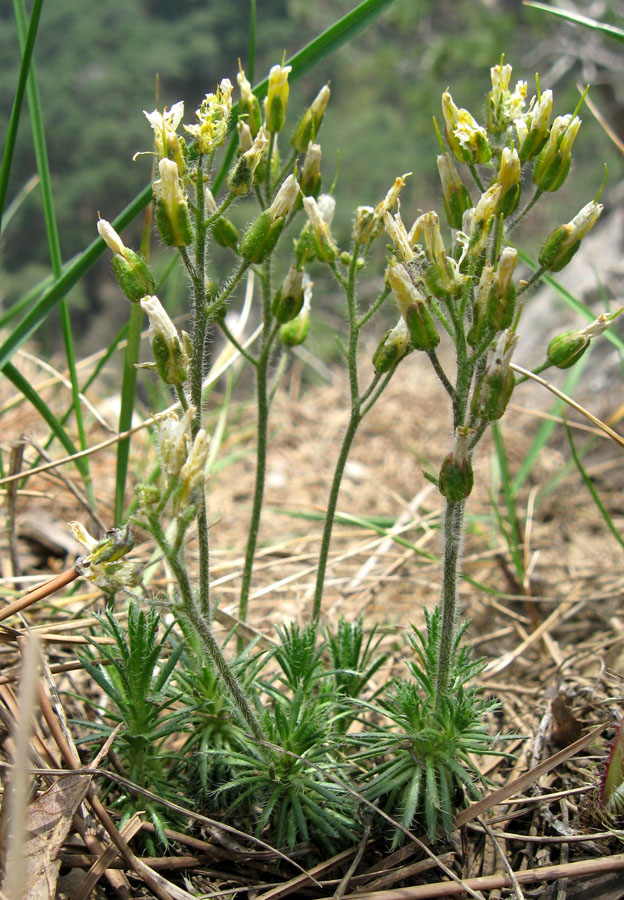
[554, 644]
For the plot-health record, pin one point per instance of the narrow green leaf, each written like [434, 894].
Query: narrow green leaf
[25, 388]
[11, 137]
[54, 245]
[67, 280]
[592, 490]
[128, 391]
[610, 30]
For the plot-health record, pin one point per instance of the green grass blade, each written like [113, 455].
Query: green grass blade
[54, 245]
[251, 43]
[26, 299]
[9, 144]
[26, 389]
[128, 390]
[309, 56]
[509, 493]
[22, 195]
[610, 30]
[592, 490]
[71, 275]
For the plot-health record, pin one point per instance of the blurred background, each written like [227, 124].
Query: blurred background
[97, 62]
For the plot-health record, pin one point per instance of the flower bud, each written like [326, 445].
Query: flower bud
[392, 348]
[456, 197]
[288, 299]
[193, 472]
[103, 565]
[171, 208]
[456, 478]
[245, 137]
[248, 105]
[493, 392]
[175, 441]
[553, 163]
[366, 225]
[132, 272]
[414, 309]
[465, 137]
[213, 119]
[276, 98]
[318, 212]
[441, 275]
[285, 198]
[293, 333]
[310, 122]
[503, 106]
[392, 195]
[483, 219]
[311, 173]
[168, 144]
[398, 233]
[509, 179]
[170, 353]
[560, 246]
[241, 176]
[532, 128]
[565, 349]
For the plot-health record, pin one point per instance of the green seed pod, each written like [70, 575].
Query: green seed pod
[288, 300]
[261, 237]
[174, 232]
[296, 331]
[392, 347]
[493, 393]
[456, 196]
[565, 349]
[225, 233]
[456, 479]
[133, 274]
[421, 326]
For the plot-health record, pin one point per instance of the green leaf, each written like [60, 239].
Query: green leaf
[610, 30]
[70, 276]
[11, 137]
[128, 391]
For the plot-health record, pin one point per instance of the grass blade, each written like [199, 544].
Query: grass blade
[512, 536]
[592, 490]
[9, 144]
[128, 391]
[25, 388]
[62, 285]
[576, 18]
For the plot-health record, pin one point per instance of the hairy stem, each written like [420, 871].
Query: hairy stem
[449, 600]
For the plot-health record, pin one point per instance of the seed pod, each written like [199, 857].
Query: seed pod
[261, 237]
[288, 298]
[456, 477]
[133, 274]
[392, 347]
[225, 233]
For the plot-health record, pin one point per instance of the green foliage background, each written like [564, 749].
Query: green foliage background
[96, 66]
